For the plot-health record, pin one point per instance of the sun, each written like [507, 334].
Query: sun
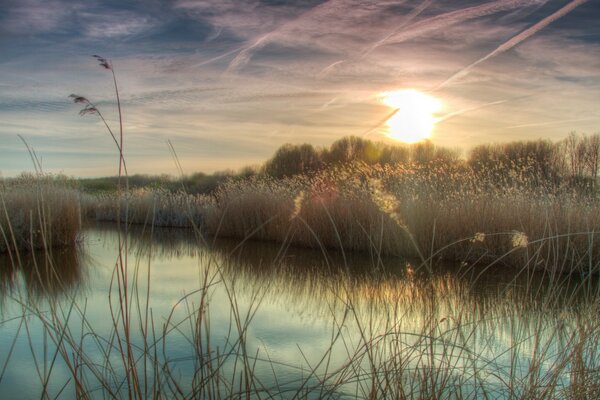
[414, 117]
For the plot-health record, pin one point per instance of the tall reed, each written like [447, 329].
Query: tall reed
[38, 212]
[443, 210]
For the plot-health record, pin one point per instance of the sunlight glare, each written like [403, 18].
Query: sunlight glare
[414, 119]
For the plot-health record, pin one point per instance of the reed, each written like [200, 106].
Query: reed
[152, 207]
[38, 212]
[439, 210]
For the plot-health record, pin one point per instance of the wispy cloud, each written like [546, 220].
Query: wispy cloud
[516, 39]
[36, 16]
[564, 121]
[112, 25]
[432, 24]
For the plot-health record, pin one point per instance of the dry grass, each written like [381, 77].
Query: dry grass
[38, 212]
[434, 211]
[442, 211]
[153, 207]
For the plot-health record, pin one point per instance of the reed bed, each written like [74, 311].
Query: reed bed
[427, 211]
[38, 212]
[439, 210]
[157, 207]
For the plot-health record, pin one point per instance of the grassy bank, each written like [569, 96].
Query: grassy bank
[156, 207]
[439, 210]
[38, 212]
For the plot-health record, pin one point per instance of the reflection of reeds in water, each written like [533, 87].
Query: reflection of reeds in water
[427, 335]
[399, 330]
[423, 334]
[42, 274]
[292, 272]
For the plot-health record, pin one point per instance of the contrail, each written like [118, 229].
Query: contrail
[216, 58]
[549, 123]
[516, 40]
[466, 110]
[412, 15]
[246, 53]
[454, 17]
[325, 105]
[479, 107]
[381, 122]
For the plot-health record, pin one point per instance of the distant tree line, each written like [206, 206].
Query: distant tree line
[574, 161]
[291, 159]
[198, 182]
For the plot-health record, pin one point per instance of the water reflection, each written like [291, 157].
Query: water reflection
[41, 274]
[394, 316]
[304, 277]
[300, 276]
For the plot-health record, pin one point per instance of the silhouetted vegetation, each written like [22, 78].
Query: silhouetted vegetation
[290, 159]
[574, 161]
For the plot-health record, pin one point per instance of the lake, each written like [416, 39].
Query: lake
[174, 315]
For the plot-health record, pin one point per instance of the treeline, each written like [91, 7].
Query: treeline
[574, 161]
[292, 159]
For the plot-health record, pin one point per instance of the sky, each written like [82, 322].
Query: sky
[228, 82]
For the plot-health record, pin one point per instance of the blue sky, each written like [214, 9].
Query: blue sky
[228, 82]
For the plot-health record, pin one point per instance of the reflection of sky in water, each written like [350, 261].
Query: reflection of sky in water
[292, 298]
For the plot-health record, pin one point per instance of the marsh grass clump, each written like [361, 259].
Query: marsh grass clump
[38, 212]
[432, 210]
[156, 207]
[332, 209]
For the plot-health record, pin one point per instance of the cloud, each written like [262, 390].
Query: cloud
[515, 40]
[36, 16]
[429, 25]
[111, 24]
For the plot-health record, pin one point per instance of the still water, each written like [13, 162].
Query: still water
[230, 319]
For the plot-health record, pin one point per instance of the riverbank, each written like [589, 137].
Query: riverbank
[441, 211]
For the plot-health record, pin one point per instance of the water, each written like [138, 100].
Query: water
[228, 318]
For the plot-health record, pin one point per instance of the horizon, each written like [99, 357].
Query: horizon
[228, 83]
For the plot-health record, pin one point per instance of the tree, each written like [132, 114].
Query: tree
[292, 159]
[353, 148]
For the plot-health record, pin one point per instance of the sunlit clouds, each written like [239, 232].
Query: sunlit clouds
[228, 82]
